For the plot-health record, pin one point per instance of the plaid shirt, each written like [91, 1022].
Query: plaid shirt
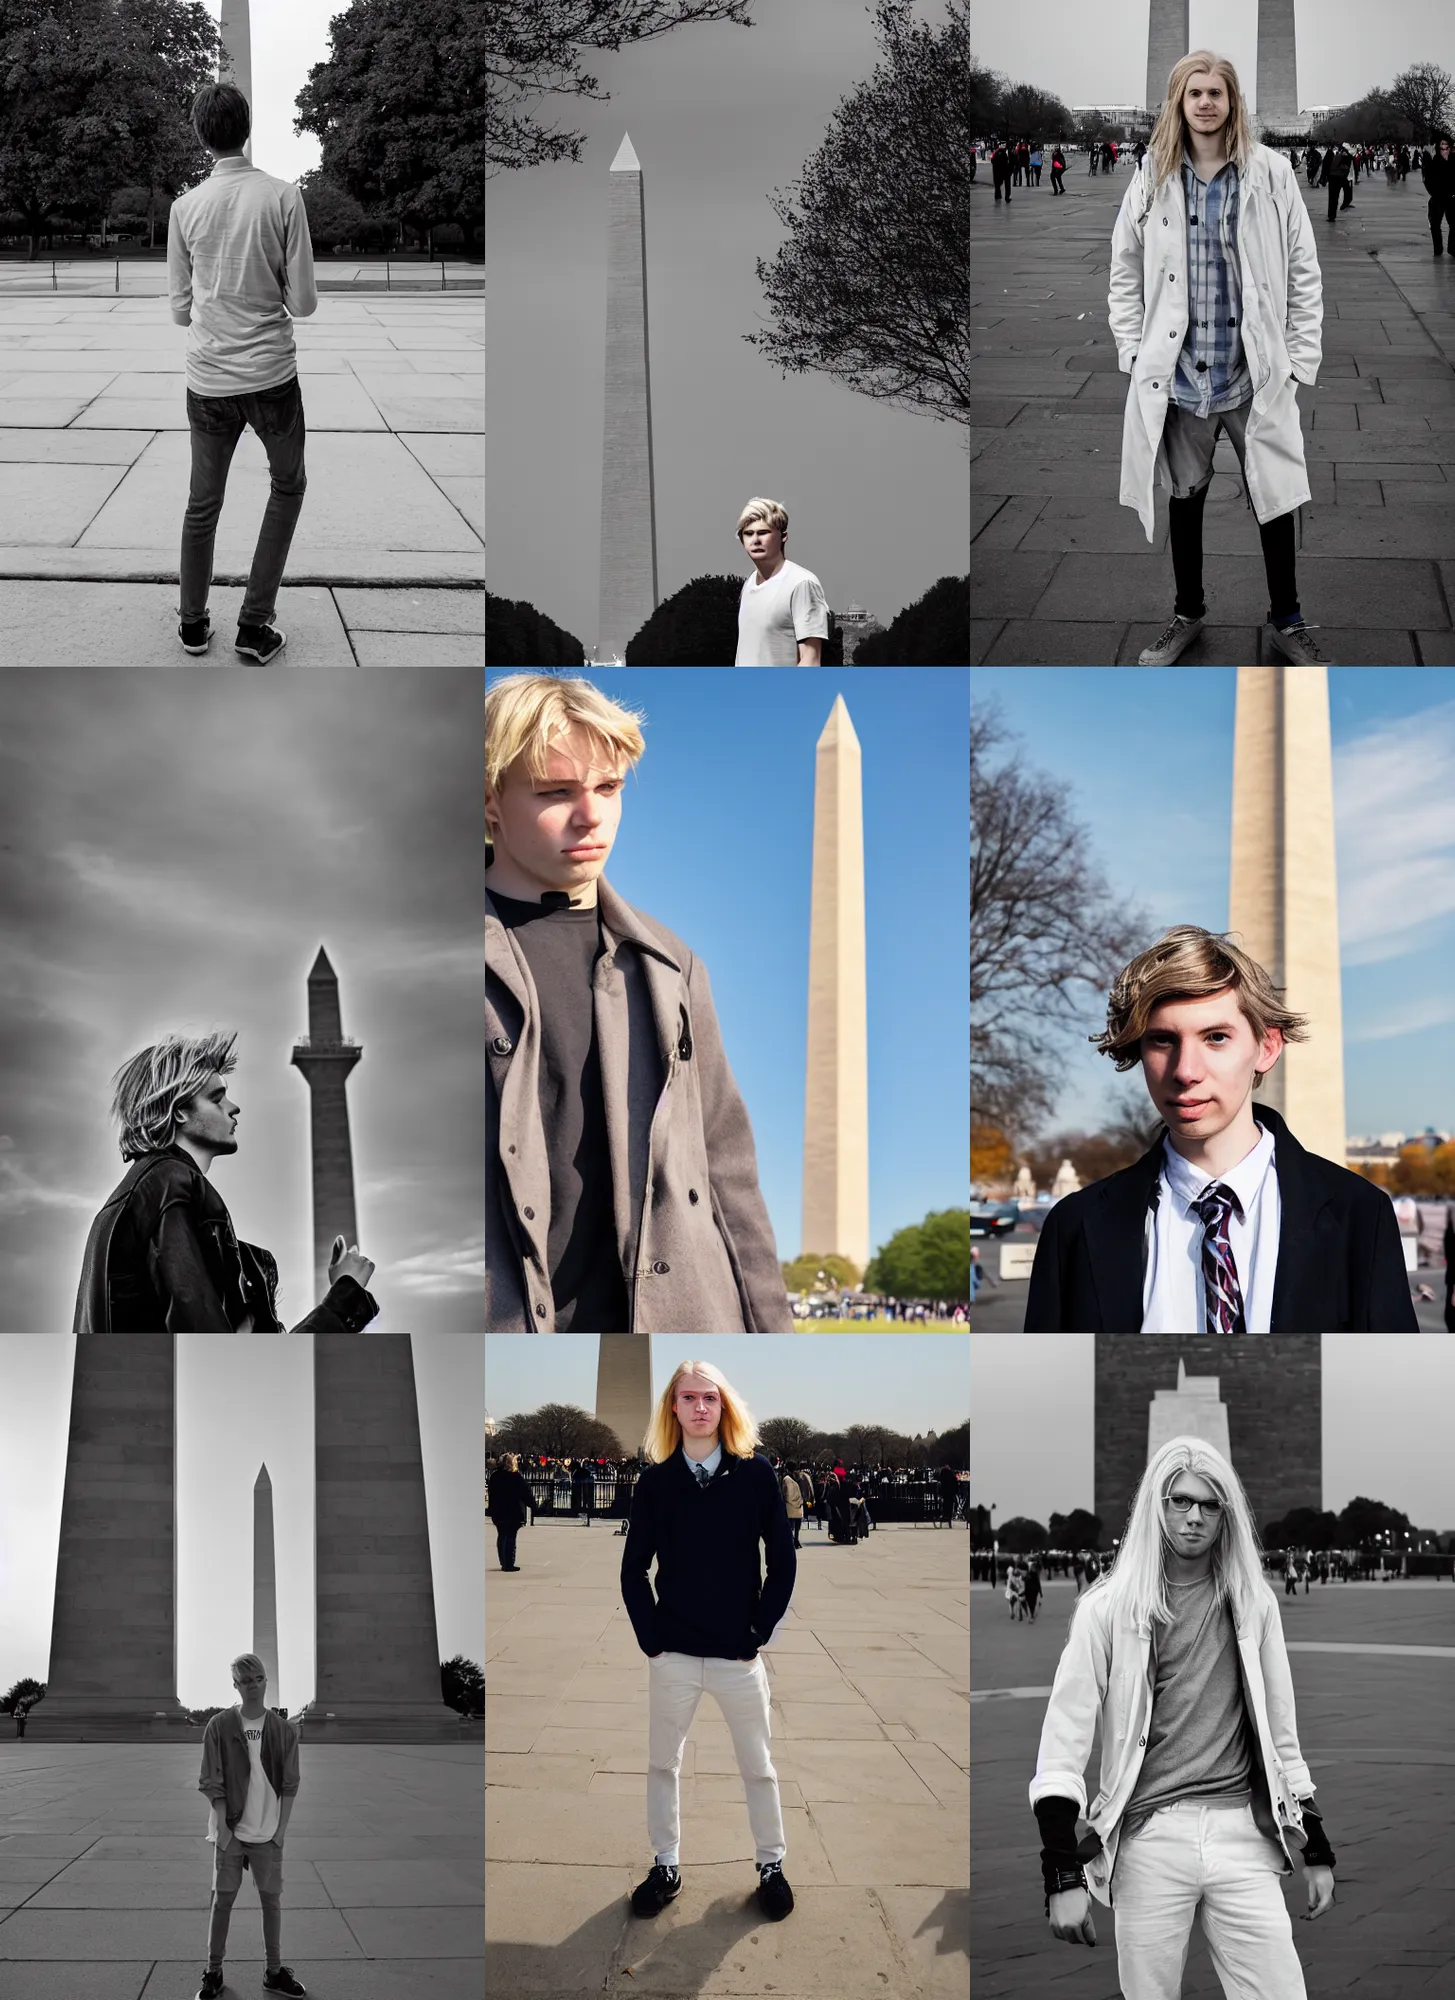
[1212, 369]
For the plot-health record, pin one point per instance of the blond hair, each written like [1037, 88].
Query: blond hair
[1169, 134]
[1189, 963]
[737, 1433]
[526, 713]
[148, 1090]
[768, 511]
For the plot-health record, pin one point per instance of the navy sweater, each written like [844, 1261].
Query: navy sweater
[711, 1599]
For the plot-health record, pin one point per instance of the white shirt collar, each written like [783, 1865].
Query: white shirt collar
[711, 1462]
[1187, 1183]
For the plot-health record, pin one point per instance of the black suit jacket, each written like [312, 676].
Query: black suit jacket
[1340, 1268]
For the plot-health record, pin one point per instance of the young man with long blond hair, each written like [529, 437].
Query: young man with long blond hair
[1216, 307]
[705, 1505]
[621, 1182]
[1178, 1652]
[1227, 1225]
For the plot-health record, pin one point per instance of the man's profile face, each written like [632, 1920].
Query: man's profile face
[1205, 103]
[1199, 1058]
[697, 1403]
[762, 542]
[558, 829]
[210, 1118]
[1195, 1529]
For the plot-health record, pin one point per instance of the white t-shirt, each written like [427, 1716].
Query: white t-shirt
[260, 1815]
[774, 616]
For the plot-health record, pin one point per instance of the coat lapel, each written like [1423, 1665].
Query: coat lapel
[1115, 1235]
[1307, 1237]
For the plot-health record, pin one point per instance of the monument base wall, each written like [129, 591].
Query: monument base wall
[400, 1722]
[84, 1719]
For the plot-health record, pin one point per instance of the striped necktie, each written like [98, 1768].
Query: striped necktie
[704, 1477]
[1223, 1308]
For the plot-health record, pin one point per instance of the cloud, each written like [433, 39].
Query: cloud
[1394, 801]
[21, 1192]
[1412, 1018]
[446, 1272]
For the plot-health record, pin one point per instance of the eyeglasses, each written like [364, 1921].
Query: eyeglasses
[1180, 1502]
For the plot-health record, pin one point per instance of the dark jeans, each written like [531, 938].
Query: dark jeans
[1057, 185]
[1277, 536]
[217, 423]
[797, 1527]
[1442, 210]
[1347, 185]
[505, 1546]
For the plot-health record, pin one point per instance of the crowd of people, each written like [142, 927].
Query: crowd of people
[868, 1306]
[1022, 1578]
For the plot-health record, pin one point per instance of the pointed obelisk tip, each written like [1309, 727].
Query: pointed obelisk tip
[262, 1480]
[626, 161]
[321, 967]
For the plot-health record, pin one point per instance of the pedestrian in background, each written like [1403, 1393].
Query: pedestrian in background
[1335, 176]
[1036, 161]
[793, 1501]
[1093, 155]
[949, 1492]
[1438, 174]
[1015, 1589]
[1032, 1589]
[508, 1502]
[1000, 168]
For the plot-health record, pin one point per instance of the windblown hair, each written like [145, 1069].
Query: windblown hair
[768, 511]
[1189, 963]
[1169, 134]
[511, 1461]
[149, 1088]
[221, 117]
[1135, 1586]
[737, 1432]
[526, 713]
[246, 1660]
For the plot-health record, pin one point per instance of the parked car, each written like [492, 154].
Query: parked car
[994, 1218]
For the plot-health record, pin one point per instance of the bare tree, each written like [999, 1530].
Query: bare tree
[533, 50]
[872, 285]
[1047, 935]
[560, 1430]
[1422, 94]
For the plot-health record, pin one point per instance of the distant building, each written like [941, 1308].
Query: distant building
[856, 624]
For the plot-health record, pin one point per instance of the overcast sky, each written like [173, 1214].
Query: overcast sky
[288, 38]
[915, 1382]
[271, 1423]
[1151, 777]
[1386, 1405]
[719, 117]
[174, 848]
[1091, 54]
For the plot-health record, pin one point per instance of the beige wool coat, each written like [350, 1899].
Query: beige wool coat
[692, 1229]
[1283, 326]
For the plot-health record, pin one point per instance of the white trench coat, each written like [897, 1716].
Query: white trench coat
[1282, 315]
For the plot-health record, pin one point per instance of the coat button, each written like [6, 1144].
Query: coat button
[540, 1312]
[502, 1045]
[1164, 222]
[1171, 279]
[693, 1195]
[1155, 385]
[1141, 1742]
[529, 1214]
[659, 1269]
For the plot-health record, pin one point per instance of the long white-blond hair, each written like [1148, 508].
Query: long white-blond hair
[737, 1432]
[1136, 1584]
[1169, 134]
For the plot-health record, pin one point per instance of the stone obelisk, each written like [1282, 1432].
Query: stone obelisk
[1168, 41]
[325, 1057]
[1277, 66]
[628, 493]
[265, 1583]
[113, 1662]
[236, 66]
[624, 1387]
[1283, 892]
[1193, 1409]
[836, 1094]
[377, 1654]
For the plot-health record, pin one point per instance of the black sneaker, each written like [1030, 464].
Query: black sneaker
[661, 1887]
[775, 1898]
[212, 1984]
[260, 642]
[283, 1981]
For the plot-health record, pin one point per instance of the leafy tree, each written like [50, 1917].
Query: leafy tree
[697, 626]
[790, 1437]
[1363, 1519]
[1020, 1536]
[1028, 110]
[934, 631]
[991, 1157]
[25, 1689]
[802, 1274]
[561, 1430]
[1076, 1530]
[926, 1260]
[1422, 94]
[872, 285]
[463, 1685]
[534, 52]
[1303, 1527]
[517, 635]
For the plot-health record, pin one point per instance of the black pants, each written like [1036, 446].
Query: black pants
[1057, 186]
[1037, 172]
[1002, 181]
[797, 1527]
[1334, 187]
[1442, 210]
[1277, 536]
[505, 1546]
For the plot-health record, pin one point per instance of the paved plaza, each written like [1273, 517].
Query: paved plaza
[104, 1874]
[1063, 575]
[1372, 1671]
[869, 1674]
[387, 563]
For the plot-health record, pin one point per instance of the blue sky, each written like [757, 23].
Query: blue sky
[266, 1387]
[716, 842]
[1386, 1403]
[1148, 759]
[916, 1382]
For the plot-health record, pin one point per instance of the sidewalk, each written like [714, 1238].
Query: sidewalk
[104, 1875]
[869, 1672]
[1062, 574]
[1375, 1728]
[387, 564]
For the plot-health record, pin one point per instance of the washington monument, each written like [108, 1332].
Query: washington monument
[1169, 39]
[836, 1091]
[325, 1057]
[628, 493]
[624, 1387]
[1283, 892]
[236, 66]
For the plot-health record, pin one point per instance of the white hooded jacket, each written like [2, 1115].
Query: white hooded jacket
[1106, 1671]
[1283, 318]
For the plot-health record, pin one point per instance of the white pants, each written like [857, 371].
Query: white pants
[678, 1683]
[1189, 1853]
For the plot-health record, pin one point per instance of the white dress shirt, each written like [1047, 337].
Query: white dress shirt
[709, 1464]
[1173, 1290]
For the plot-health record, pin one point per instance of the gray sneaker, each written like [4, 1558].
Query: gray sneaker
[1295, 644]
[1173, 643]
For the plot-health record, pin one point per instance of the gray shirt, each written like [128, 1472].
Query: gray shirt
[1198, 1740]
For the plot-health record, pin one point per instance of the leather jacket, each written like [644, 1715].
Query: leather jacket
[162, 1257]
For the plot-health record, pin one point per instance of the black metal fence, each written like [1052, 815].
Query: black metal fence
[608, 1497]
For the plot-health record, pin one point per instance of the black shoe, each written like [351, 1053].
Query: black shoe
[260, 642]
[283, 1981]
[662, 1886]
[212, 1985]
[775, 1898]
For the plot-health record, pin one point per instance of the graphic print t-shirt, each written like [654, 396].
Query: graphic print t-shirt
[260, 1815]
